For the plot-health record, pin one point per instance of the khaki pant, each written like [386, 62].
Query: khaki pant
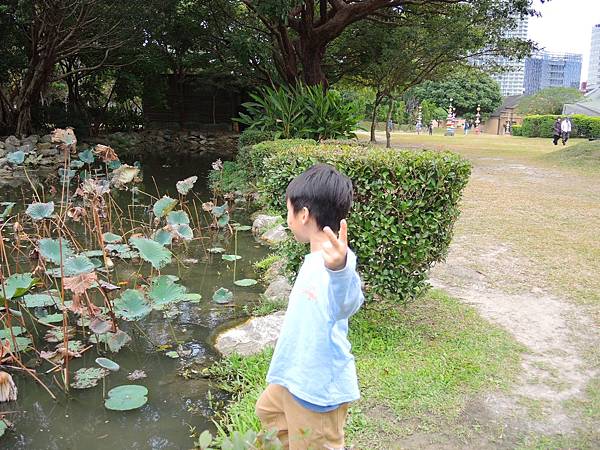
[299, 428]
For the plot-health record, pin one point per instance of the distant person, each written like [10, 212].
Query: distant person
[390, 125]
[430, 128]
[467, 126]
[556, 131]
[565, 127]
[418, 127]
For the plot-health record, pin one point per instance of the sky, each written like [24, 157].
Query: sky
[566, 26]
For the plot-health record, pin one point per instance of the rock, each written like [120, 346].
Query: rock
[10, 148]
[2, 152]
[47, 150]
[279, 289]
[262, 222]
[47, 138]
[12, 140]
[3, 161]
[27, 147]
[252, 336]
[276, 270]
[274, 235]
[33, 139]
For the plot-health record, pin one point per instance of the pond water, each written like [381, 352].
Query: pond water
[175, 402]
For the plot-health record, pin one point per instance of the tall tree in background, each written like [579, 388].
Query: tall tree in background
[549, 101]
[302, 31]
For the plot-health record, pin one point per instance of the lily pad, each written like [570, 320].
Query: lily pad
[41, 300]
[132, 305]
[78, 265]
[243, 228]
[183, 231]
[152, 252]
[99, 325]
[218, 211]
[17, 285]
[76, 164]
[39, 211]
[245, 282]
[192, 298]
[222, 296]
[94, 254]
[51, 318]
[178, 218]
[231, 257]
[123, 175]
[88, 377]
[22, 344]
[111, 238]
[108, 364]
[116, 341]
[216, 250]
[164, 206]
[172, 354]
[184, 186]
[164, 290]
[51, 249]
[163, 237]
[16, 157]
[87, 156]
[126, 397]
[16, 331]
[223, 220]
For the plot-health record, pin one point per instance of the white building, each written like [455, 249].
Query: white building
[512, 82]
[594, 67]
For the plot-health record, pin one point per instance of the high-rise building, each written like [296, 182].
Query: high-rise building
[594, 67]
[544, 70]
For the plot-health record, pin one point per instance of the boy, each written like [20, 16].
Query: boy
[312, 376]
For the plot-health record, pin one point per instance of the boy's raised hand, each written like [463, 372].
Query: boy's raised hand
[336, 248]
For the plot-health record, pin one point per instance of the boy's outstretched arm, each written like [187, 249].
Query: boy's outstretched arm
[344, 288]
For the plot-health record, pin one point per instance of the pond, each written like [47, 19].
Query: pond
[171, 347]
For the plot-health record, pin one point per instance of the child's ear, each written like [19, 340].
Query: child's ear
[305, 215]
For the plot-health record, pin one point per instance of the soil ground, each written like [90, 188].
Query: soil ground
[526, 255]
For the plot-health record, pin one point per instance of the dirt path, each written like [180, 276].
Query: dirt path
[511, 287]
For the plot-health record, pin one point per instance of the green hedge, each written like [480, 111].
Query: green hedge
[517, 130]
[406, 203]
[543, 126]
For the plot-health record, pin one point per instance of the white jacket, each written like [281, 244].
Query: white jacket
[565, 126]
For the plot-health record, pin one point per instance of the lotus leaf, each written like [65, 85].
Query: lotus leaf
[126, 397]
[223, 220]
[51, 298]
[131, 305]
[231, 257]
[117, 340]
[178, 218]
[222, 296]
[218, 211]
[115, 164]
[78, 265]
[108, 364]
[183, 231]
[205, 439]
[152, 252]
[94, 254]
[22, 344]
[88, 377]
[16, 285]
[111, 238]
[192, 298]
[50, 249]
[76, 164]
[16, 157]
[243, 228]
[55, 272]
[87, 156]
[8, 206]
[245, 282]
[123, 175]
[66, 175]
[163, 237]
[216, 250]
[164, 206]
[16, 331]
[184, 186]
[39, 211]
[51, 318]
[172, 354]
[118, 248]
[164, 290]
[57, 334]
[3, 427]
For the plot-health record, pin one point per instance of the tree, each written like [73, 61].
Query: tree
[549, 101]
[466, 88]
[301, 32]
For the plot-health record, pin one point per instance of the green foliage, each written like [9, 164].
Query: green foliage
[17, 285]
[301, 111]
[152, 252]
[265, 264]
[517, 130]
[126, 397]
[132, 305]
[548, 101]
[38, 211]
[406, 203]
[231, 178]
[251, 136]
[585, 155]
[543, 126]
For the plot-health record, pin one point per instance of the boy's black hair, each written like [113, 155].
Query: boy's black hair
[325, 192]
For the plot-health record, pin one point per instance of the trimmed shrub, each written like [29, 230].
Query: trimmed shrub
[406, 203]
[517, 130]
[251, 136]
[542, 126]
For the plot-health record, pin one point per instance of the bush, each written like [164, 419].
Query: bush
[517, 130]
[253, 157]
[543, 126]
[301, 111]
[251, 136]
[406, 203]
[231, 178]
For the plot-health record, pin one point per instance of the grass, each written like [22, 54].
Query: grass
[584, 155]
[414, 362]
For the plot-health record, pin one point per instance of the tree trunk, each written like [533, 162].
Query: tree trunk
[312, 60]
[378, 98]
[388, 135]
